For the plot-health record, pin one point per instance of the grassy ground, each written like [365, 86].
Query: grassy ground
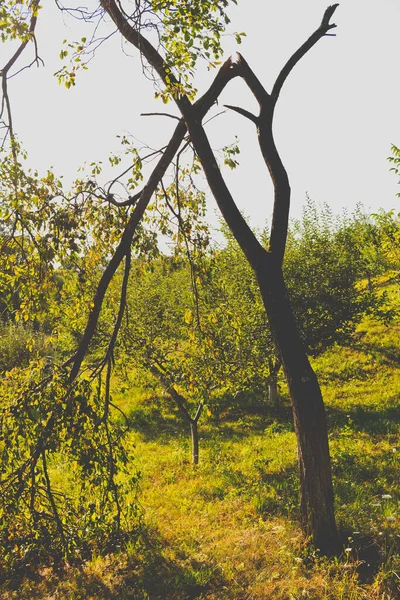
[229, 528]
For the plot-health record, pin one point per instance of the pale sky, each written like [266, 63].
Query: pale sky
[335, 121]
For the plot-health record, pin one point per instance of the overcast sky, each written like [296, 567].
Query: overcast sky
[335, 121]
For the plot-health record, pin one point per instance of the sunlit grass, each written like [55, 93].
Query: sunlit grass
[229, 529]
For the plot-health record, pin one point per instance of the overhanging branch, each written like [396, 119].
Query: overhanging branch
[203, 105]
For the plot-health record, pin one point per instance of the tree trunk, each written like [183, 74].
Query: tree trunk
[316, 493]
[308, 408]
[195, 442]
[273, 392]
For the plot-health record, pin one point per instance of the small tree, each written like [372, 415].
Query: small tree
[201, 343]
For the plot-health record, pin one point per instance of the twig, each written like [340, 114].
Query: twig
[158, 114]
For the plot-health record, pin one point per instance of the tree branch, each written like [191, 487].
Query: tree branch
[122, 305]
[34, 7]
[124, 245]
[158, 114]
[243, 112]
[193, 114]
[134, 36]
[312, 40]
[203, 105]
[160, 374]
[255, 85]
[280, 217]
[198, 412]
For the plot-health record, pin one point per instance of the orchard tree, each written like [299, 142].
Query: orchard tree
[182, 33]
[324, 265]
[161, 338]
[198, 326]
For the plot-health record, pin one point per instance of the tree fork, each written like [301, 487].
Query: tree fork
[308, 409]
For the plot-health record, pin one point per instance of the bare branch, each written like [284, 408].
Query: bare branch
[255, 85]
[131, 201]
[127, 421]
[312, 40]
[269, 151]
[198, 412]
[50, 496]
[327, 17]
[122, 305]
[160, 374]
[158, 114]
[243, 112]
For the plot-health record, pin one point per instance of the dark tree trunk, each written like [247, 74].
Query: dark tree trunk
[195, 442]
[316, 493]
[308, 408]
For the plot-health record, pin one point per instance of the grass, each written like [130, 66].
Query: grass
[228, 529]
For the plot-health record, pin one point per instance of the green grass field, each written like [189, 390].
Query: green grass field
[228, 529]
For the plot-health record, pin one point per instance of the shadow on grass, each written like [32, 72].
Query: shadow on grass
[160, 421]
[154, 423]
[368, 420]
[388, 355]
[143, 572]
[157, 573]
[278, 493]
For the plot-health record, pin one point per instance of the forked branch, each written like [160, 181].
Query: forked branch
[312, 40]
[264, 121]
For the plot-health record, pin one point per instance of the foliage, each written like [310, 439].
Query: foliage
[200, 324]
[395, 160]
[56, 248]
[185, 32]
[191, 31]
[18, 342]
[229, 529]
[325, 259]
[47, 422]
[388, 224]
[53, 255]
[15, 19]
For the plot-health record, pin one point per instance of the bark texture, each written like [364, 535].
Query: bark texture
[316, 491]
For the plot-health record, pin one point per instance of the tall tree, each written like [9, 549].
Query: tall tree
[183, 32]
[317, 506]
